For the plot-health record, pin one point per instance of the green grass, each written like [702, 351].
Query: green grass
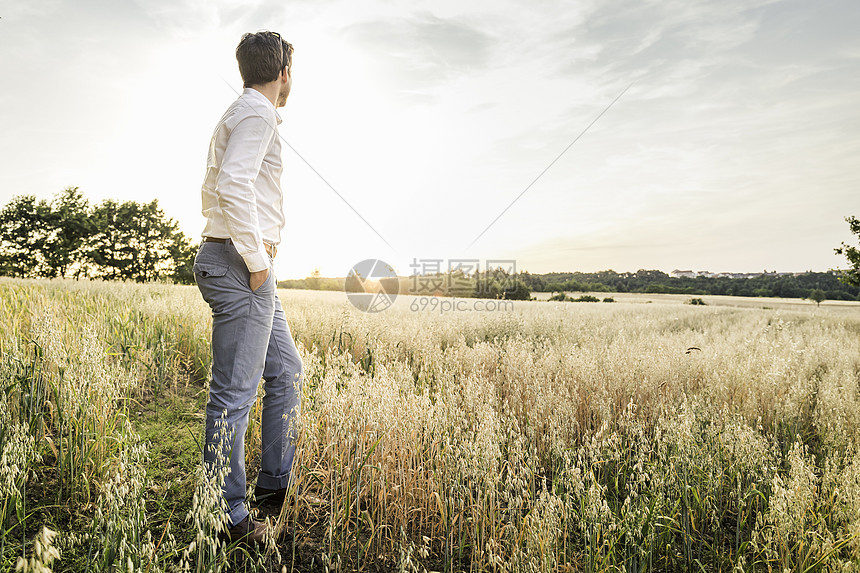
[173, 432]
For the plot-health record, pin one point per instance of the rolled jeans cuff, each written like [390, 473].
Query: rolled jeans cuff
[268, 481]
[237, 514]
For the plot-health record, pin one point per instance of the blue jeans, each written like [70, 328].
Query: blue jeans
[250, 340]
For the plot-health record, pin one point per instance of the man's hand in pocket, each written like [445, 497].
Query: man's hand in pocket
[258, 278]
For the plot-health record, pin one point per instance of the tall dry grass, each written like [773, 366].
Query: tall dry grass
[555, 437]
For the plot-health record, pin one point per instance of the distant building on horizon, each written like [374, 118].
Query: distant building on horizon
[708, 274]
[678, 274]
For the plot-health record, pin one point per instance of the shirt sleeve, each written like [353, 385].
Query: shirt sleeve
[247, 145]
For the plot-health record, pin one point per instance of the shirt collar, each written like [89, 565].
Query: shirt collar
[257, 96]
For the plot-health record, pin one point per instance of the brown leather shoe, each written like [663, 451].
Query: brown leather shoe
[248, 531]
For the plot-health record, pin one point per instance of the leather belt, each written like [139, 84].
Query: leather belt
[272, 250]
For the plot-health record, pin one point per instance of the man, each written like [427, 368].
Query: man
[243, 206]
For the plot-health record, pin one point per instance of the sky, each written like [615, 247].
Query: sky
[412, 126]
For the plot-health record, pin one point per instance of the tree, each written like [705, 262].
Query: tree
[313, 281]
[137, 242]
[23, 235]
[69, 227]
[519, 291]
[67, 237]
[817, 295]
[182, 251]
[852, 275]
[498, 283]
[41, 238]
[108, 251]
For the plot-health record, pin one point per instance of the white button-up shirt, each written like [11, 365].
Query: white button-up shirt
[242, 198]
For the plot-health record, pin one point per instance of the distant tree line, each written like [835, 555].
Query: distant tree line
[68, 237]
[830, 285]
[519, 286]
[495, 283]
[498, 283]
[652, 281]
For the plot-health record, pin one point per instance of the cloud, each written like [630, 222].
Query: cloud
[416, 53]
[189, 18]
[15, 12]
[742, 122]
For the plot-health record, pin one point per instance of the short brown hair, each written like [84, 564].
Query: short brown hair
[262, 56]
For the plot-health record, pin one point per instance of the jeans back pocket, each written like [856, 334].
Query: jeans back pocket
[204, 270]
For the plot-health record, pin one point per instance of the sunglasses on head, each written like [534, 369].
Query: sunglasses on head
[289, 48]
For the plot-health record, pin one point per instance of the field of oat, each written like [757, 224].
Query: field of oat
[547, 437]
